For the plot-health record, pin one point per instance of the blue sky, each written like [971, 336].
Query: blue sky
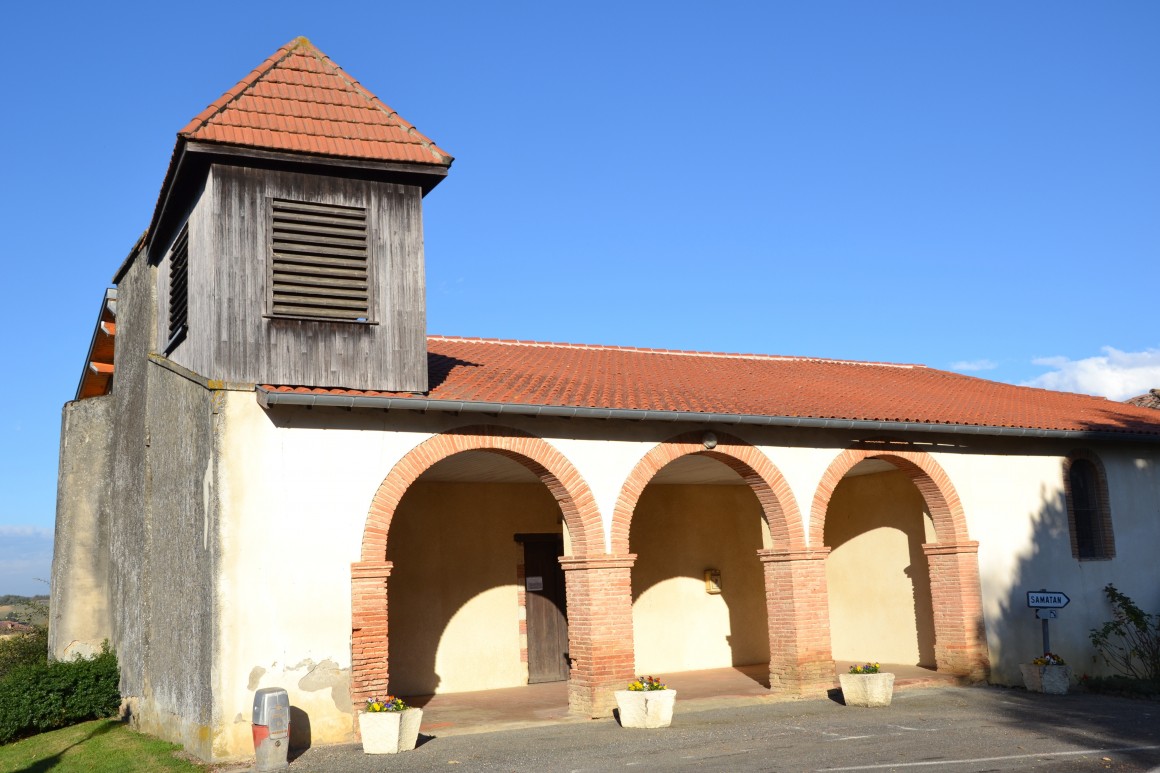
[972, 186]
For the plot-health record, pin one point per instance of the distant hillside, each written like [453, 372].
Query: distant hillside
[13, 607]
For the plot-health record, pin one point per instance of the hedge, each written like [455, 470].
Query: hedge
[44, 696]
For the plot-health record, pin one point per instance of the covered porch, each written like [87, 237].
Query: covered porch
[511, 708]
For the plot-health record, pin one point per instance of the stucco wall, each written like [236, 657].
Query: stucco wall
[453, 593]
[79, 618]
[1015, 508]
[677, 533]
[295, 486]
[877, 574]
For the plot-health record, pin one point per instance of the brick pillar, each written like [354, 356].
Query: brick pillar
[960, 642]
[368, 643]
[600, 643]
[798, 610]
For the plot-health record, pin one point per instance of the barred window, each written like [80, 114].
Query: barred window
[1088, 514]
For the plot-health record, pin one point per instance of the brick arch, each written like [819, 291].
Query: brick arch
[369, 614]
[568, 488]
[950, 525]
[953, 560]
[778, 505]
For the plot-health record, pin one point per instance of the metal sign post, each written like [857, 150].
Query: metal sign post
[1045, 602]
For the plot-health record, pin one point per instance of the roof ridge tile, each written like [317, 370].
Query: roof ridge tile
[678, 352]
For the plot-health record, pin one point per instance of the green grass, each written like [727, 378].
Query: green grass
[100, 746]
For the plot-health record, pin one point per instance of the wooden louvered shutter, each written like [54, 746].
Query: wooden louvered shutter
[319, 261]
[178, 288]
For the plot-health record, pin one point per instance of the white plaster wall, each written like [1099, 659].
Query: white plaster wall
[1015, 508]
[294, 501]
[296, 485]
[877, 574]
[677, 533]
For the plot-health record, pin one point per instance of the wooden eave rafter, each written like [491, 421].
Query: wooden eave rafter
[97, 377]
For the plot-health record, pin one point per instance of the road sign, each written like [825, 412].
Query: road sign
[1046, 614]
[1047, 599]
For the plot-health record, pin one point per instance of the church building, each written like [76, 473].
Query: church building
[272, 475]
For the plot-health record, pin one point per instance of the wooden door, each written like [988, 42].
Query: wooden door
[547, 610]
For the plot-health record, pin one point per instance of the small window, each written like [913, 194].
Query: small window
[178, 289]
[318, 266]
[1088, 516]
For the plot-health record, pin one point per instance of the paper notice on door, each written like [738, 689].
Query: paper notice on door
[534, 583]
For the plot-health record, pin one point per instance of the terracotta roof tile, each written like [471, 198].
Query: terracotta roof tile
[531, 373]
[298, 100]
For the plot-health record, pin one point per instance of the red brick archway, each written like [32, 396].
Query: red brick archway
[369, 577]
[795, 588]
[778, 504]
[960, 639]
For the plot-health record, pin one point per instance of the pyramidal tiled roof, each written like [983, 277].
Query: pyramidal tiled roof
[299, 101]
[609, 377]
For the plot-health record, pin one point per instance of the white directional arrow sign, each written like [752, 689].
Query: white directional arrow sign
[1047, 599]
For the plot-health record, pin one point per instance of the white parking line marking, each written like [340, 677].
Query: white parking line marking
[991, 759]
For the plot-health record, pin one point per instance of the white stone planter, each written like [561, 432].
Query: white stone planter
[646, 708]
[1054, 680]
[389, 732]
[867, 689]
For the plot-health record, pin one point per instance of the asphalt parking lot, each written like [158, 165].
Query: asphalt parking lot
[943, 730]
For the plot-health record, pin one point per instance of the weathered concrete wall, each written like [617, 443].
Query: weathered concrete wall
[678, 532]
[877, 574]
[79, 618]
[181, 561]
[160, 556]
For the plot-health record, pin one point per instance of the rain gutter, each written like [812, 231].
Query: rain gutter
[268, 399]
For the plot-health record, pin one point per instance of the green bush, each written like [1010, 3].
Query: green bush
[1130, 642]
[45, 696]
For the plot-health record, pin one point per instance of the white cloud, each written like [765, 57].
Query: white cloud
[22, 530]
[973, 365]
[1116, 375]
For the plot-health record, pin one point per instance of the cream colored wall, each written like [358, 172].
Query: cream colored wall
[295, 487]
[454, 607]
[877, 574]
[677, 533]
[294, 500]
[1015, 507]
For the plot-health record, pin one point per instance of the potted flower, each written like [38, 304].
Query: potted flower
[1047, 673]
[865, 685]
[389, 726]
[646, 703]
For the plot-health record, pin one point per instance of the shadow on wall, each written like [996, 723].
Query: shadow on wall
[1015, 635]
[453, 594]
[679, 532]
[877, 573]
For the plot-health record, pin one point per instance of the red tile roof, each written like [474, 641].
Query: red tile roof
[544, 374]
[300, 101]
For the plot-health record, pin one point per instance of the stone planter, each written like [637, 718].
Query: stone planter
[867, 689]
[1049, 679]
[646, 708]
[389, 732]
